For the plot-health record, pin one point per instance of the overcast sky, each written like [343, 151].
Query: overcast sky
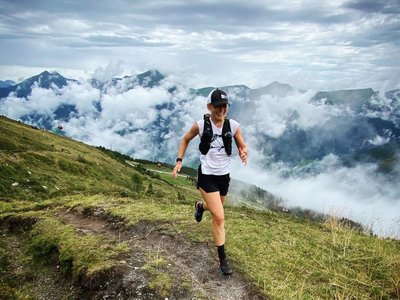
[310, 44]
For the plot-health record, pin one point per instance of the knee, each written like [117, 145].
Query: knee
[219, 220]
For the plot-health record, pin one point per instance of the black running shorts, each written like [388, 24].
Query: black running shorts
[213, 183]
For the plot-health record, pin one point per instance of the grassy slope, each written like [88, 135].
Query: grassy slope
[286, 257]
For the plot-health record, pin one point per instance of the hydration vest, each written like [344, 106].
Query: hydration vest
[206, 137]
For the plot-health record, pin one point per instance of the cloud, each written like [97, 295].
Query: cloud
[137, 106]
[374, 6]
[113, 69]
[313, 44]
[273, 113]
[137, 144]
[81, 95]
[379, 140]
[41, 100]
[46, 101]
[14, 107]
[355, 193]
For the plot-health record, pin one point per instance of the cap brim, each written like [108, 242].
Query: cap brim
[218, 103]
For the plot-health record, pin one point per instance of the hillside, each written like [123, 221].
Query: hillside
[79, 222]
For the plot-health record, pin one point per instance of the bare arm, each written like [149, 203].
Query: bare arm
[241, 145]
[193, 131]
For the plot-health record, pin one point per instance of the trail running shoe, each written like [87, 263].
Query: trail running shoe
[198, 214]
[224, 267]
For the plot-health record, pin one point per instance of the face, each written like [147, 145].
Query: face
[218, 112]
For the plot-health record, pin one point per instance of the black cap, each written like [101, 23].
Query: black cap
[217, 97]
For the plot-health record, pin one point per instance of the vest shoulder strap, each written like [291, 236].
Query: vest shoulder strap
[207, 124]
[227, 136]
[206, 135]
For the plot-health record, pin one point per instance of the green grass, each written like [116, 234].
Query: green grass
[14, 284]
[304, 260]
[46, 165]
[181, 181]
[286, 257]
[77, 254]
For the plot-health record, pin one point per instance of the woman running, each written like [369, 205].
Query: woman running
[216, 133]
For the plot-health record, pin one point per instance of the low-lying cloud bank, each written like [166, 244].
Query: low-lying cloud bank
[357, 193]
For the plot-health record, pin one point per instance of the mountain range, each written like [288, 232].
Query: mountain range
[6, 83]
[285, 124]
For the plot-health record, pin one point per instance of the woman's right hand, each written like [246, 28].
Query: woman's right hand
[177, 169]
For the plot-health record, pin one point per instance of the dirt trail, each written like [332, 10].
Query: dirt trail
[189, 262]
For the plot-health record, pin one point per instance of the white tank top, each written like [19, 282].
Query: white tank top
[216, 161]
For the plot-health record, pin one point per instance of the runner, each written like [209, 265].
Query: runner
[216, 133]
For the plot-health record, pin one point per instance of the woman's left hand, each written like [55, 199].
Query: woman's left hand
[243, 154]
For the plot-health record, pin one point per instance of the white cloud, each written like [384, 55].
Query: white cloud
[14, 107]
[43, 100]
[137, 106]
[46, 101]
[81, 95]
[355, 193]
[274, 114]
[379, 140]
[113, 69]
[71, 26]
[331, 45]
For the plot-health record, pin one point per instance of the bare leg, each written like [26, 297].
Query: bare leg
[214, 203]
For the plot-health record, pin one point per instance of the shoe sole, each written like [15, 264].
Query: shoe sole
[226, 274]
[195, 213]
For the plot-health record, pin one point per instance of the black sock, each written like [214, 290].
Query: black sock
[221, 252]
